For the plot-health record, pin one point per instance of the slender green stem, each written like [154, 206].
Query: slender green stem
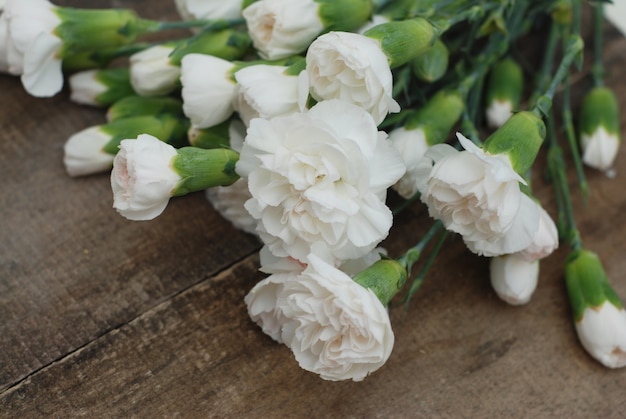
[411, 256]
[572, 142]
[597, 70]
[188, 24]
[574, 46]
[405, 204]
[421, 275]
[547, 64]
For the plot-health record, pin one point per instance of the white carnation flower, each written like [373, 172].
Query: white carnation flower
[546, 239]
[229, 202]
[412, 145]
[85, 87]
[4, 44]
[143, 178]
[33, 48]
[602, 332]
[320, 178]
[334, 326]
[599, 148]
[208, 89]
[478, 196]
[353, 68]
[280, 29]
[265, 91]
[514, 278]
[209, 9]
[84, 152]
[152, 73]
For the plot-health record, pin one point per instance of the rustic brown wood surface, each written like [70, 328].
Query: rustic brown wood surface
[104, 317]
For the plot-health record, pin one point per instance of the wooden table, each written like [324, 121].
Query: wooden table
[104, 317]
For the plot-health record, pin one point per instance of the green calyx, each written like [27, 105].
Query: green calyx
[217, 136]
[403, 41]
[117, 81]
[167, 128]
[505, 82]
[228, 44]
[385, 278]
[432, 64]
[600, 109]
[93, 29]
[438, 116]
[344, 15]
[587, 283]
[202, 169]
[520, 138]
[133, 105]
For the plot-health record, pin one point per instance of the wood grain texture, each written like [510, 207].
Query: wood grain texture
[103, 317]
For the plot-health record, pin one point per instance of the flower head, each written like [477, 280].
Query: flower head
[334, 326]
[266, 91]
[209, 9]
[320, 177]
[353, 68]
[100, 87]
[84, 152]
[478, 196]
[600, 148]
[514, 278]
[208, 89]
[152, 73]
[143, 179]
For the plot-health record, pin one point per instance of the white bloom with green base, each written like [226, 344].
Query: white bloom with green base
[209, 9]
[143, 179]
[101, 87]
[599, 315]
[152, 73]
[478, 196]
[352, 68]
[266, 91]
[600, 148]
[84, 152]
[514, 278]
[85, 87]
[320, 177]
[335, 327]
[209, 89]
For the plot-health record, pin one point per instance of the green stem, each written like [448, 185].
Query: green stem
[411, 256]
[154, 26]
[548, 59]
[574, 46]
[421, 275]
[597, 71]
[572, 142]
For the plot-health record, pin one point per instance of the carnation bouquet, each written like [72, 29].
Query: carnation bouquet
[312, 124]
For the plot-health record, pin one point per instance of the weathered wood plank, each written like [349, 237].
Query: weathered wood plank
[71, 268]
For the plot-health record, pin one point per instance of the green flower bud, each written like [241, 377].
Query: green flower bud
[587, 283]
[438, 116]
[100, 87]
[165, 127]
[90, 29]
[599, 109]
[403, 41]
[202, 169]
[431, 65]
[505, 82]
[562, 12]
[228, 44]
[520, 138]
[134, 105]
[344, 15]
[385, 278]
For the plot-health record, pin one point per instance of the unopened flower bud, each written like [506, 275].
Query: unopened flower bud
[514, 278]
[599, 316]
[385, 278]
[600, 128]
[504, 91]
[432, 64]
[100, 87]
[403, 41]
[519, 138]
